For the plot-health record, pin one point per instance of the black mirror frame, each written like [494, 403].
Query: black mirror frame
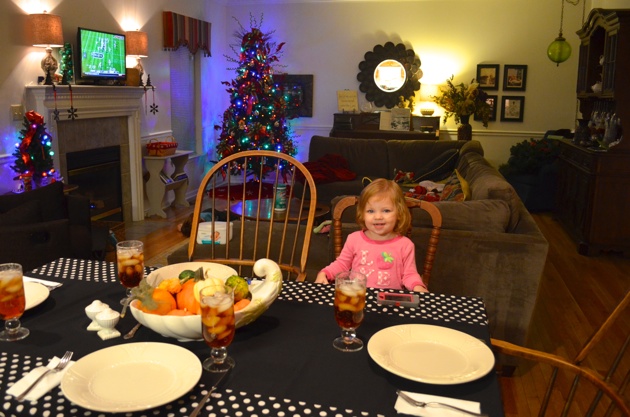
[408, 59]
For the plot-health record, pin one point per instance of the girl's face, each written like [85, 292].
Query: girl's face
[380, 218]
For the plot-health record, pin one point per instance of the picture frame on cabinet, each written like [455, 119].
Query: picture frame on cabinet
[298, 93]
[488, 76]
[512, 108]
[492, 101]
[514, 77]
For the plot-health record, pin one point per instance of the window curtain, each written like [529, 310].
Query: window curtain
[183, 30]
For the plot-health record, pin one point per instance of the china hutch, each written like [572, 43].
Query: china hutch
[593, 198]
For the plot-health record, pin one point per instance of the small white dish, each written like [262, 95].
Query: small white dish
[131, 377]
[431, 354]
[91, 311]
[35, 294]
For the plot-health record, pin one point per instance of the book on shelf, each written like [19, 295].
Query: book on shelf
[180, 176]
[165, 178]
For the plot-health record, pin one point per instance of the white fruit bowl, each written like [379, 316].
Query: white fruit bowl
[187, 328]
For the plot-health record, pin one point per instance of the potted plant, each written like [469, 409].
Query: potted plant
[532, 171]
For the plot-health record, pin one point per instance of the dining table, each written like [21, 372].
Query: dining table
[285, 362]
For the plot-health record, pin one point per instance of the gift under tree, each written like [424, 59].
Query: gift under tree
[33, 153]
[256, 118]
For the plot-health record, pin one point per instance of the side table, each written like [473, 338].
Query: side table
[159, 182]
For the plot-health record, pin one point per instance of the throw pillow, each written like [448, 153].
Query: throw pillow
[440, 167]
[453, 190]
[465, 186]
[23, 214]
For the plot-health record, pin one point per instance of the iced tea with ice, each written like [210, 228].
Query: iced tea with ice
[130, 259]
[217, 316]
[349, 304]
[12, 300]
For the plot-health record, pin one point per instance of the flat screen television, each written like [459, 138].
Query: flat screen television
[101, 57]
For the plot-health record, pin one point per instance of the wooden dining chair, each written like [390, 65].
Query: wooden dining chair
[585, 386]
[436, 221]
[242, 189]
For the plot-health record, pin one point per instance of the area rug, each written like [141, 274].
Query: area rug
[251, 191]
[160, 259]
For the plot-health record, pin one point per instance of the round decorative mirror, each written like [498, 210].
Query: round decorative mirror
[388, 73]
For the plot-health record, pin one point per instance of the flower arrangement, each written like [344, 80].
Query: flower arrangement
[529, 156]
[461, 101]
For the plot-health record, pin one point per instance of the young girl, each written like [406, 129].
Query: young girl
[380, 250]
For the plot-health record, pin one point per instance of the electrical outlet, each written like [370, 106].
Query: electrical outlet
[17, 112]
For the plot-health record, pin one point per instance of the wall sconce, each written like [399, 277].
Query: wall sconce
[47, 33]
[137, 46]
[559, 50]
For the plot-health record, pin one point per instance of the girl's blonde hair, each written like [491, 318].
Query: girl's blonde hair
[391, 190]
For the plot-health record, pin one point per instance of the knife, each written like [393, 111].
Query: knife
[205, 397]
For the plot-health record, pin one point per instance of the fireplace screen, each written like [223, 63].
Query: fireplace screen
[96, 172]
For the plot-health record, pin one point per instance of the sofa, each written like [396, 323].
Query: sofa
[39, 226]
[490, 246]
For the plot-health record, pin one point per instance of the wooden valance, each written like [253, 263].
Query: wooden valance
[183, 30]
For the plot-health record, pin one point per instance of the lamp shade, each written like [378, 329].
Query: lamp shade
[559, 50]
[137, 44]
[46, 30]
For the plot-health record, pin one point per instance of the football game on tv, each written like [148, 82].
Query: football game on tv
[102, 55]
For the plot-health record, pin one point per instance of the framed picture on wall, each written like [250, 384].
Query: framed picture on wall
[514, 77]
[492, 101]
[512, 108]
[298, 94]
[488, 76]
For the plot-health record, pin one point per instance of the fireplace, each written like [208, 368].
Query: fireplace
[96, 173]
[106, 116]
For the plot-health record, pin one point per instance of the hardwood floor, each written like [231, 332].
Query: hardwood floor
[576, 295]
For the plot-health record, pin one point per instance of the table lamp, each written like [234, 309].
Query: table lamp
[47, 33]
[137, 46]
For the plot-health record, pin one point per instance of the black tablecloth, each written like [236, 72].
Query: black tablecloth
[286, 364]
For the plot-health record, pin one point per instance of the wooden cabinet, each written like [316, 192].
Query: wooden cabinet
[592, 201]
[160, 182]
[366, 126]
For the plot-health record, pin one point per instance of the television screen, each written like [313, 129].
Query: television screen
[101, 55]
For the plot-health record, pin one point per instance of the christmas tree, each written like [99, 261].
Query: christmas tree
[256, 118]
[33, 153]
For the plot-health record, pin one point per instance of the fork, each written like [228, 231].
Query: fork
[63, 362]
[422, 404]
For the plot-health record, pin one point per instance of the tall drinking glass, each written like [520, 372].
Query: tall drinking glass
[349, 305]
[12, 302]
[130, 260]
[217, 325]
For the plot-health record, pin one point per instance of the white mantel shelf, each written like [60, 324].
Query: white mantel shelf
[92, 101]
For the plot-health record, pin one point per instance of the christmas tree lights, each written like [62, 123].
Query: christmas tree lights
[256, 118]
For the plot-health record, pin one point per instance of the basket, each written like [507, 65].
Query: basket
[155, 148]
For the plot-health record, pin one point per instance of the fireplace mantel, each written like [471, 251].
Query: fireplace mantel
[95, 102]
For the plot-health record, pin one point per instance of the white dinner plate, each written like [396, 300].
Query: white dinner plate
[431, 354]
[131, 377]
[35, 294]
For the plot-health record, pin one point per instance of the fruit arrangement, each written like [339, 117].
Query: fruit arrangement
[167, 300]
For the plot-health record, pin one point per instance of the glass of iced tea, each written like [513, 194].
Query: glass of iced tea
[130, 260]
[12, 302]
[217, 325]
[349, 305]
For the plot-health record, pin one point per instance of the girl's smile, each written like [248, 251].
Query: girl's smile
[380, 218]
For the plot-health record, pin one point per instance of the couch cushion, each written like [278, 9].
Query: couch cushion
[438, 169]
[51, 198]
[475, 215]
[487, 183]
[28, 212]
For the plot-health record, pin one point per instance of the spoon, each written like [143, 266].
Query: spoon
[132, 332]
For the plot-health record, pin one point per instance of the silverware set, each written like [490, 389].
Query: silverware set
[422, 404]
[63, 362]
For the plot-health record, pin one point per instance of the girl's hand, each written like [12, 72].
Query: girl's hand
[321, 278]
[420, 288]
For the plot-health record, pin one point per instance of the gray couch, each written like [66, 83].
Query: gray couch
[490, 246]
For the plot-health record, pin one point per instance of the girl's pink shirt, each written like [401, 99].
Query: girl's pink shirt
[387, 264]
